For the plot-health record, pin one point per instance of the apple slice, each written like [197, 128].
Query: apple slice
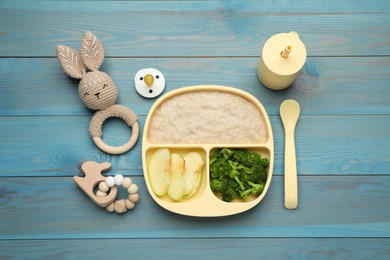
[159, 170]
[192, 173]
[176, 184]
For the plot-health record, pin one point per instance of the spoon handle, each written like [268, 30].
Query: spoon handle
[290, 172]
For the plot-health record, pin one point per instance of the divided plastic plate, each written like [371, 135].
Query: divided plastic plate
[205, 203]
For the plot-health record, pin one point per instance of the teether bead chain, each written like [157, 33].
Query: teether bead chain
[119, 206]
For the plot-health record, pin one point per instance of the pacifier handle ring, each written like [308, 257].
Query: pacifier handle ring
[118, 149]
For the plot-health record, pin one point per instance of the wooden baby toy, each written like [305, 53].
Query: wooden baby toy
[93, 176]
[107, 187]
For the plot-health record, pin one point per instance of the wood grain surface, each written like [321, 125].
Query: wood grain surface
[342, 136]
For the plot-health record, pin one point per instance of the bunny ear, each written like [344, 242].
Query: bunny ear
[71, 61]
[92, 51]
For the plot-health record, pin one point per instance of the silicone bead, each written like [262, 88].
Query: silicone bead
[110, 182]
[119, 206]
[126, 182]
[103, 187]
[129, 204]
[134, 197]
[118, 179]
[110, 207]
[100, 193]
[132, 189]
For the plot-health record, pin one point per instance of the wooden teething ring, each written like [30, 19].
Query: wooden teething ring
[95, 128]
[118, 149]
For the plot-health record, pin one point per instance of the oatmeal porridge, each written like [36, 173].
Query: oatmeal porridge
[207, 117]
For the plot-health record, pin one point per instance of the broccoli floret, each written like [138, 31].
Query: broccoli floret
[232, 184]
[217, 185]
[216, 154]
[253, 158]
[234, 174]
[227, 153]
[256, 174]
[219, 168]
[229, 194]
[240, 183]
[264, 162]
[213, 160]
[260, 173]
[256, 188]
[244, 194]
[249, 158]
[240, 156]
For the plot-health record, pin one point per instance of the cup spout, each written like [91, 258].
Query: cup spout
[286, 51]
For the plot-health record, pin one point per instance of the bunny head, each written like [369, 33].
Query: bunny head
[96, 89]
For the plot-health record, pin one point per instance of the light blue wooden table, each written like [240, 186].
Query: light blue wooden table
[342, 137]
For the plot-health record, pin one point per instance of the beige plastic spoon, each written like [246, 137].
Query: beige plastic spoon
[289, 112]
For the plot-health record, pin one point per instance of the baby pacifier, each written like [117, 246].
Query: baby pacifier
[149, 82]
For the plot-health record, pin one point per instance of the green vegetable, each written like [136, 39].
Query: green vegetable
[217, 185]
[229, 194]
[237, 173]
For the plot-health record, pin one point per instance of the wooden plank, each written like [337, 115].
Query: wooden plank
[315, 6]
[38, 86]
[331, 206]
[326, 145]
[209, 248]
[214, 29]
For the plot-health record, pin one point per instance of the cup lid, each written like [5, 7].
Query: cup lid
[273, 59]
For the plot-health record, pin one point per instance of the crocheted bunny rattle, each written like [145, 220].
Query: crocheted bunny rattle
[97, 90]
